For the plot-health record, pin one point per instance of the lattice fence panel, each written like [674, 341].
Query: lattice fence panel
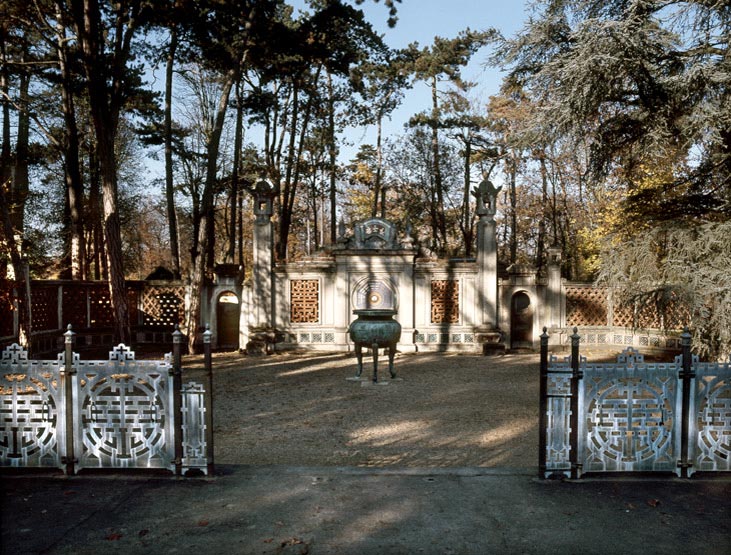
[100, 306]
[132, 305]
[163, 306]
[304, 301]
[444, 301]
[44, 302]
[586, 306]
[675, 316]
[6, 306]
[648, 317]
[624, 315]
[73, 304]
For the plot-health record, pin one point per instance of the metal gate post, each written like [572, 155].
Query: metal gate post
[543, 404]
[209, 398]
[686, 375]
[68, 458]
[177, 401]
[576, 375]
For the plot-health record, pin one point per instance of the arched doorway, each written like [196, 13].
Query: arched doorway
[227, 320]
[521, 321]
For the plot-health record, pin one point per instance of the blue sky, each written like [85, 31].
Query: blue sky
[420, 21]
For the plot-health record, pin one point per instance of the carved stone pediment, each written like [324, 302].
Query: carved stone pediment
[375, 233]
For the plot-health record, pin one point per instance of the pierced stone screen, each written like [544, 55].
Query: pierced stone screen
[304, 301]
[444, 301]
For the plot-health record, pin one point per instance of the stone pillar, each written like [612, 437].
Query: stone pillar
[487, 271]
[262, 276]
[554, 298]
[487, 331]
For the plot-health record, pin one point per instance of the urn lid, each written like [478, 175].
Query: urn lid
[375, 312]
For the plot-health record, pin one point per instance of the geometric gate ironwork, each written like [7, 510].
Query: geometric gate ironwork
[115, 413]
[710, 416]
[633, 416]
[629, 413]
[29, 410]
[125, 409]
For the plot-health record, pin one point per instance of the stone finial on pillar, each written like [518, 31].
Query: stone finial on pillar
[486, 195]
[263, 194]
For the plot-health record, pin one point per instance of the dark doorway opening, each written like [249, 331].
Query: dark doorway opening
[521, 322]
[227, 319]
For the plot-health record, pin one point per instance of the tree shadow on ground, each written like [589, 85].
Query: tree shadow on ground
[444, 411]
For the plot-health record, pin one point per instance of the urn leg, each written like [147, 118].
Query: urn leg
[374, 348]
[391, 355]
[359, 357]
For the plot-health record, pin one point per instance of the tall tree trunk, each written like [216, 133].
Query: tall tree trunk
[332, 152]
[169, 176]
[5, 148]
[105, 76]
[233, 199]
[289, 189]
[21, 281]
[377, 193]
[113, 233]
[14, 192]
[201, 259]
[292, 176]
[513, 169]
[19, 190]
[466, 224]
[241, 236]
[72, 170]
[541, 243]
[96, 253]
[441, 220]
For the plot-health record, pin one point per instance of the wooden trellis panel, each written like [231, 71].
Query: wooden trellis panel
[6, 305]
[45, 308]
[100, 307]
[304, 301]
[74, 306]
[623, 315]
[676, 315]
[163, 306]
[444, 301]
[586, 306]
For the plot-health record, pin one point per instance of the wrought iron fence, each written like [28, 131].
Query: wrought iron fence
[115, 413]
[632, 415]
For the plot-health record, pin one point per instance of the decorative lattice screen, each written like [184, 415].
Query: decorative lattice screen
[74, 306]
[304, 301]
[100, 307]
[623, 315]
[444, 301]
[586, 306]
[163, 306]
[45, 308]
[6, 306]
[675, 316]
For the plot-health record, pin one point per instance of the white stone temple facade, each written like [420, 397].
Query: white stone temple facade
[459, 305]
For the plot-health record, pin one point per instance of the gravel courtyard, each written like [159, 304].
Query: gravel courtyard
[445, 410]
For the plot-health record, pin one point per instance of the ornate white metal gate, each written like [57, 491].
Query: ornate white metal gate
[632, 416]
[115, 413]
